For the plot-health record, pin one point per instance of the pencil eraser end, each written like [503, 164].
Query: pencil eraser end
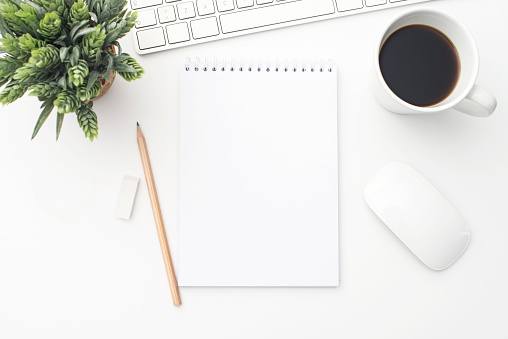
[126, 197]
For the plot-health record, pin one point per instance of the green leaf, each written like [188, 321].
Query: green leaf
[112, 36]
[57, 6]
[59, 121]
[76, 27]
[93, 42]
[78, 73]
[79, 12]
[27, 43]
[42, 118]
[50, 26]
[3, 82]
[123, 68]
[84, 31]
[61, 41]
[45, 57]
[26, 73]
[35, 31]
[39, 10]
[10, 44]
[8, 67]
[91, 79]
[17, 2]
[64, 51]
[110, 61]
[107, 77]
[4, 27]
[12, 92]
[87, 120]
[132, 75]
[62, 82]
[45, 91]
[67, 102]
[75, 55]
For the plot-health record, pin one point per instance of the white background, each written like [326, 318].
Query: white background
[69, 269]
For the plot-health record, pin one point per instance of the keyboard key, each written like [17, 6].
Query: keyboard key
[371, 3]
[225, 5]
[205, 7]
[204, 28]
[271, 15]
[150, 38]
[348, 5]
[136, 4]
[244, 3]
[166, 14]
[146, 18]
[177, 33]
[186, 10]
[240, 16]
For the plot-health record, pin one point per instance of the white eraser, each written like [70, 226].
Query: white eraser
[126, 197]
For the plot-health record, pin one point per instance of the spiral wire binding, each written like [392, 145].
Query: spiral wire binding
[259, 65]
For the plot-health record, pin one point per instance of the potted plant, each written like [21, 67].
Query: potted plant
[66, 53]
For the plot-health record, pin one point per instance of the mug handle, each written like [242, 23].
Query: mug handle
[478, 103]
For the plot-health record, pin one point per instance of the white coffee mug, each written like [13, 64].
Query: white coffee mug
[466, 97]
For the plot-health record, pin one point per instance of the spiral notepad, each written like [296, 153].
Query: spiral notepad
[258, 174]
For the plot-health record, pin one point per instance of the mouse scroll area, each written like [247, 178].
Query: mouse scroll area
[418, 214]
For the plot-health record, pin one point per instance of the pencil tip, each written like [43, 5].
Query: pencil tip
[137, 123]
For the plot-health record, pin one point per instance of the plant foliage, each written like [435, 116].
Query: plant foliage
[62, 52]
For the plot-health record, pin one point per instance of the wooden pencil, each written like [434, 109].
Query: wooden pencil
[150, 183]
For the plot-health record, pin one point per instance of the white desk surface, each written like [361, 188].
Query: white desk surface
[70, 269]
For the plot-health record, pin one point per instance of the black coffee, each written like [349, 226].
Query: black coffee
[420, 65]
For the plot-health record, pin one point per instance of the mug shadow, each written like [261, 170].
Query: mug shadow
[445, 134]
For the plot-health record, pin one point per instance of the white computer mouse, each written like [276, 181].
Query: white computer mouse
[418, 214]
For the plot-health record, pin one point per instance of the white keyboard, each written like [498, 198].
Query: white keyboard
[168, 24]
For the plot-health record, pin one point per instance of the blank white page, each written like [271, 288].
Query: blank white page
[258, 178]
